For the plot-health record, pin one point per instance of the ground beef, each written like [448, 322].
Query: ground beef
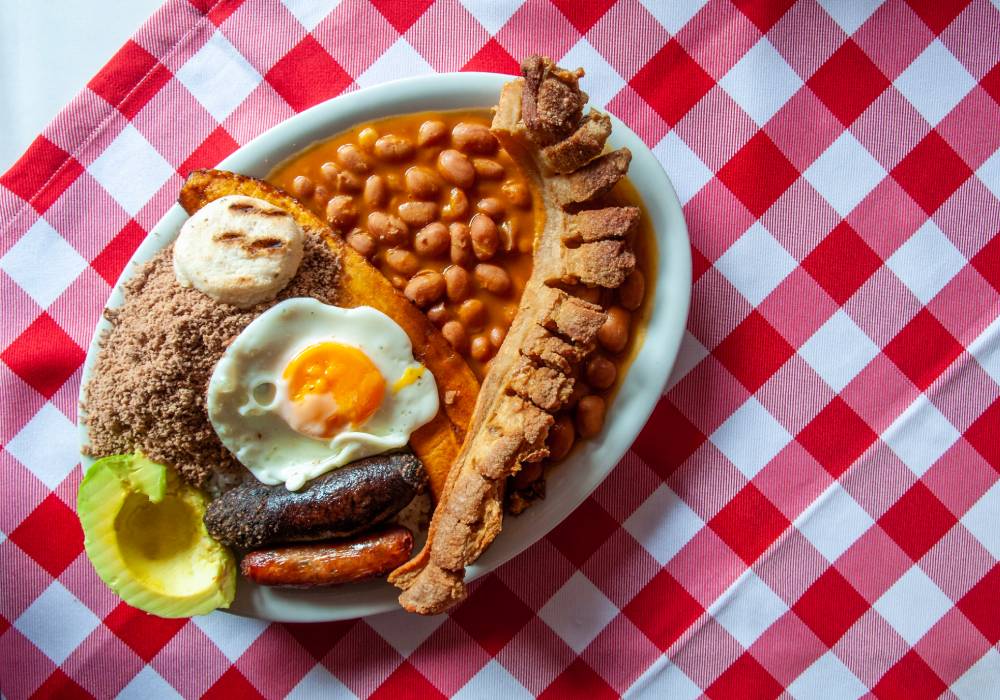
[149, 384]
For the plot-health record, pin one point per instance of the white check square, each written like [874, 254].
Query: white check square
[750, 437]
[981, 520]
[838, 350]
[920, 435]
[47, 445]
[578, 612]
[751, 607]
[57, 622]
[844, 173]
[317, 684]
[935, 82]
[219, 77]
[663, 524]
[231, 633]
[834, 522]
[401, 60]
[493, 681]
[688, 174]
[913, 605]
[827, 677]
[43, 282]
[756, 263]
[490, 13]
[761, 82]
[926, 262]
[131, 170]
[601, 82]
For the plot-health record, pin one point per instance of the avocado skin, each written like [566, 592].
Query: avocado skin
[341, 503]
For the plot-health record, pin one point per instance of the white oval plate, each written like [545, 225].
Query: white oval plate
[575, 479]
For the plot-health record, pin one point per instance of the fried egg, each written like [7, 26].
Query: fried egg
[308, 387]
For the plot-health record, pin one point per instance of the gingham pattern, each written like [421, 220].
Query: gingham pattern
[813, 510]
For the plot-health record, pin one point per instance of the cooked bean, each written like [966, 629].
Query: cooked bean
[387, 228]
[458, 283]
[492, 207]
[376, 193]
[341, 212]
[472, 313]
[461, 244]
[487, 169]
[473, 138]
[402, 261]
[454, 333]
[613, 335]
[421, 182]
[485, 237]
[508, 313]
[492, 278]
[580, 389]
[302, 186]
[361, 242]
[529, 473]
[367, 138]
[517, 193]
[425, 288]
[432, 240]
[590, 415]
[418, 213]
[321, 196]
[481, 348]
[351, 157]
[431, 132]
[330, 170]
[458, 204]
[398, 281]
[632, 291]
[601, 372]
[497, 334]
[350, 182]
[561, 437]
[438, 314]
[393, 148]
[456, 168]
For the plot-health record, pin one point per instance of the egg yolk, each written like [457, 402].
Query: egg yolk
[332, 385]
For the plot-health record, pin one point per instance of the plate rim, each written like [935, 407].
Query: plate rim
[643, 384]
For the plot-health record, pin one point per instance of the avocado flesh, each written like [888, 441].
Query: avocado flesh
[144, 534]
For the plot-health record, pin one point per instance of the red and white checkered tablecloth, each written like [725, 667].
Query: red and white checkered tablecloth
[813, 510]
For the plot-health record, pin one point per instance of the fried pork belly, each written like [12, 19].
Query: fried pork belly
[540, 121]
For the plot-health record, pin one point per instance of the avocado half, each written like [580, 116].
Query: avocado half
[144, 533]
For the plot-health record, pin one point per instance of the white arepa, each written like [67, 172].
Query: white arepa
[238, 250]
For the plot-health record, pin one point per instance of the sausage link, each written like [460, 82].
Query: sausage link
[330, 563]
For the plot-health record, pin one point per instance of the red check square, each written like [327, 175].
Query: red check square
[758, 174]
[984, 435]
[749, 524]
[923, 349]
[980, 605]
[836, 437]
[754, 351]
[917, 521]
[910, 677]
[673, 67]
[830, 606]
[578, 680]
[663, 610]
[931, 172]
[848, 82]
[842, 262]
[44, 356]
[744, 679]
[307, 75]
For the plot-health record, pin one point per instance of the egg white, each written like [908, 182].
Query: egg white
[246, 390]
